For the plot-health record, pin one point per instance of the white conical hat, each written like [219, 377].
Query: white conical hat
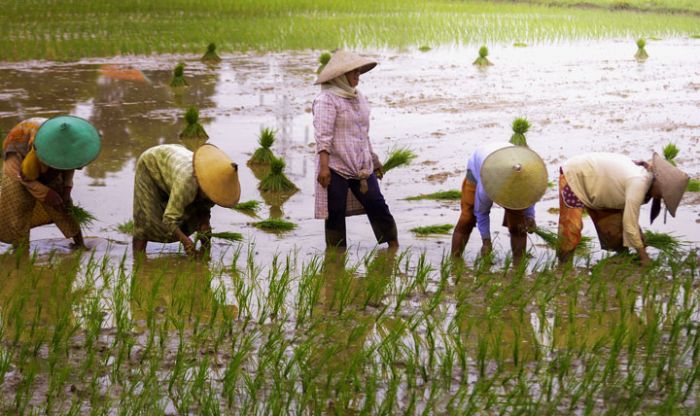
[342, 62]
[514, 177]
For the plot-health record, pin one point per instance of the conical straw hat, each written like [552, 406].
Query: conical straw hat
[673, 182]
[217, 175]
[67, 142]
[514, 177]
[342, 62]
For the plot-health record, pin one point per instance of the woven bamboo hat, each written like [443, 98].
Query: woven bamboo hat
[514, 177]
[217, 175]
[342, 62]
[673, 182]
[67, 142]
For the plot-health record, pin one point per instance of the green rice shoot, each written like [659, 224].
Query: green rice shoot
[483, 59]
[179, 76]
[210, 56]
[263, 155]
[126, 227]
[670, 153]
[432, 229]
[451, 195]
[276, 180]
[551, 238]
[520, 127]
[194, 129]
[693, 185]
[424, 48]
[227, 235]
[666, 243]
[323, 61]
[275, 225]
[249, 208]
[82, 216]
[397, 158]
[641, 52]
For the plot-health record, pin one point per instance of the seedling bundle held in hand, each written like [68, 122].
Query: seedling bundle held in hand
[398, 158]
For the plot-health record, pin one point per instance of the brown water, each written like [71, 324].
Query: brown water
[578, 97]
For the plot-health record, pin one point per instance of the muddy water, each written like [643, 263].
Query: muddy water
[578, 97]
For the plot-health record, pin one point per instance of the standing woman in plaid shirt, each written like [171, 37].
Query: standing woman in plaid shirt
[347, 166]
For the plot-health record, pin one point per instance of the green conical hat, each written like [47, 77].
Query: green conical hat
[67, 142]
[514, 177]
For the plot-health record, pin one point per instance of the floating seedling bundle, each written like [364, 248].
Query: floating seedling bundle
[323, 61]
[276, 180]
[451, 195]
[179, 76]
[193, 130]
[210, 55]
[275, 225]
[482, 60]
[397, 158]
[641, 52]
[520, 127]
[249, 208]
[432, 229]
[263, 155]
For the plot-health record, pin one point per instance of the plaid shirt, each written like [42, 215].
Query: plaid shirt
[341, 128]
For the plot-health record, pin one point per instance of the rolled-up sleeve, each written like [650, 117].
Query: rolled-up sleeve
[182, 194]
[324, 123]
[482, 209]
[635, 193]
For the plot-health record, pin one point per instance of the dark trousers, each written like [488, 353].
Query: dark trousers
[380, 218]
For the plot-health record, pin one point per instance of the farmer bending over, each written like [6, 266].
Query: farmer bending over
[40, 159]
[513, 177]
[612, 188]
[174, 190]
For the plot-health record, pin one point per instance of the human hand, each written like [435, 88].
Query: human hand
[53, 199]
[486, 247]
[324, 177]
[644, 258]
[530, 225]
[67, 200]
[379, 170]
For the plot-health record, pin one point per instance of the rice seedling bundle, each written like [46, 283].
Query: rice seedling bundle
[693, 186]
[179, 76]
[424, 48]
[323, 61]
[82, 216]
[263, 155]
[670, 153]
[551, 238]
[662, 242]
[126, 227]
[210, 56]
[482, 60]
[226, 235]
[520, 127]
[193, 130]
[641, 52]
[432, 229]
[275, 225]
[276, 180]
[450, 195]
[397, 158]
[249, 208]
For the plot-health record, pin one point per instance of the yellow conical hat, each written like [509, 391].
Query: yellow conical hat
[217, 175]
[514, 177]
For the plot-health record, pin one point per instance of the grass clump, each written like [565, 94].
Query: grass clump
[666, 243]
[551, 238]
[520, 127]
[482, 60]
[275, 225]
[670, 153]
[210, 56]
[424, 48]
[641, 52]
[323, 61]
[451, 195]
[193, 130]
[263, 155]
[82, 216]
[520, 45]
[249, 208]
[276, 180]
[432, 229]
[126, 227]
[397, 158]
[179, 76]
[693, 186]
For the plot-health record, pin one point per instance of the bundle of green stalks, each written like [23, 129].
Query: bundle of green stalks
[424, 48]
[275, 225]
[641, 52]
[224, 235]
[482, 60]
[193, 130]
[670, 153]
[210, 56]
[276, 180]
[82, 216]
[397, 158]
[693, 186]
[323, 61]
[126, 227]
[432, 229]
[552, 239]
[263, 155]
[179, 76]
[520, 127]
[450, 195]
[249, 208]
[662, 242]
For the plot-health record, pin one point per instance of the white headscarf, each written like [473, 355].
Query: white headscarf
[340, 86]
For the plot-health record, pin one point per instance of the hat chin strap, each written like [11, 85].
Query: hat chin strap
[655, 210]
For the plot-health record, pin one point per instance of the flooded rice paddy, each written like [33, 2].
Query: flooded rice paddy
[271, 326]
